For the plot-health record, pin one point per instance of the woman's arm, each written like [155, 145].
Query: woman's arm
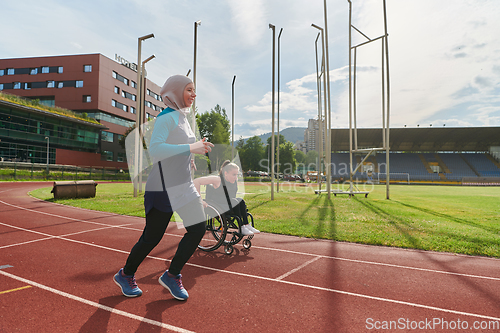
[207, 180]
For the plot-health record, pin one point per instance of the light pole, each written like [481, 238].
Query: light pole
[48, 140]
[321, 122]
[329, 113]
[137, 111]
[232, 120]
[272, 122]
[142, 116]
[196, 24]
[278, 153]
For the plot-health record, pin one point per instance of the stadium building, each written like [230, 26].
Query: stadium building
[90, 84]
[460, 155]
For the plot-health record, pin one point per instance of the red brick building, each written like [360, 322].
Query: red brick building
[94, 84]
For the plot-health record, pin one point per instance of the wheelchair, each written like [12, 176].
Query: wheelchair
[223, 229]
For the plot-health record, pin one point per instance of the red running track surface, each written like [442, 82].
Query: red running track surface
[57, 265]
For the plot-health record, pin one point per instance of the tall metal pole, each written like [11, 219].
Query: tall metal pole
[388, 101]
[350, 99]
[272, 122]
[137, 111]
[329, 114]
[196, 24]
[232, 120]
[278, 152]
[320, 112]
[48, 140]
[322, 150]
[142, 117]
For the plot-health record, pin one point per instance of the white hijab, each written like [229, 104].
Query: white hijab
[172, 93]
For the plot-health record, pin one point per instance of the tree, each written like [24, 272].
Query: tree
[281, 141]
[214, 125]
[251, 154]
[300, 157]
[287, 158]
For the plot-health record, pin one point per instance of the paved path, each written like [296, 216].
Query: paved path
[57, 264]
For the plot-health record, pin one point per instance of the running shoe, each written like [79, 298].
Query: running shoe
[174, 285]
[127, 284]
[252, 229]
[245, 230]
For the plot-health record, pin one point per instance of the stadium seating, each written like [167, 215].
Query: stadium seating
[454, 166]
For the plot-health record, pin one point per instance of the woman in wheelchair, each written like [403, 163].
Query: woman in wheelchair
[215, 194]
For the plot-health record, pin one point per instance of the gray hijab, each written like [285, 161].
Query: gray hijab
[172, 93]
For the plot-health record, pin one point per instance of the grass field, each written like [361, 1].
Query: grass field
[439, 218]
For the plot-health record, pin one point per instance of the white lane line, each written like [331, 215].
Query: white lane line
[287, 251]
[97, 305]
[298, 268]
[283, 281]
[52, 237]
[381, 263]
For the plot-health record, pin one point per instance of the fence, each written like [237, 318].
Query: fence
[37, 171]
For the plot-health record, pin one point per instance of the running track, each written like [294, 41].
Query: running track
[57, 264]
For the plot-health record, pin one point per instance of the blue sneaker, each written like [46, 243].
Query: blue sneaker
[174, 285]
[127, 284]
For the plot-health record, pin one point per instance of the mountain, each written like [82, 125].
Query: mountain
[292, 134]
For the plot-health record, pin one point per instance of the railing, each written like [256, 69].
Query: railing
[37, 171]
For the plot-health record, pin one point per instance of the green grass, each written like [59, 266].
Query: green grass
[438, 218]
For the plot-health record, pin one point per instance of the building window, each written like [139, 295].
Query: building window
[33, 71]
[128, 95]
[27, 85]
[87, 98]
[60, 84]
[2, 72]
[79, 84]
[45, 69]
[87, 68]
[50, 84]
[133, 84]
[107, 136]
[1, 86]
[60, 69]
[120, 78]
[120, 157]
[132, 110]
[119, 105]
[117, 90]
[17, 85]
[107, 155]
[10, 71]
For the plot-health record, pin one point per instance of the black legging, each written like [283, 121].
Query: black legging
[156, 224]
[240, 209]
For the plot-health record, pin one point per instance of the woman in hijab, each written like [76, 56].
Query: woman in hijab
[170, 188]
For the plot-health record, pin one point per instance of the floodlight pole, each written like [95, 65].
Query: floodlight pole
[278, 150]
[142, 117]
[232, 120]
[329, 113]
[137, 111]
[272, 121]
[387, 148]
[322, 150]
[320, 112]
[196, 24]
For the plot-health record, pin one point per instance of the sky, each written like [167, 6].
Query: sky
[444, 56]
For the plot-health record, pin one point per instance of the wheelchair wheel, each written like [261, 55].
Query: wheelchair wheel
[228, 249]
[215, 231]
[233, 233]
[247, 243]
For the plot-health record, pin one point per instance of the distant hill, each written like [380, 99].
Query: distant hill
[292, 134]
